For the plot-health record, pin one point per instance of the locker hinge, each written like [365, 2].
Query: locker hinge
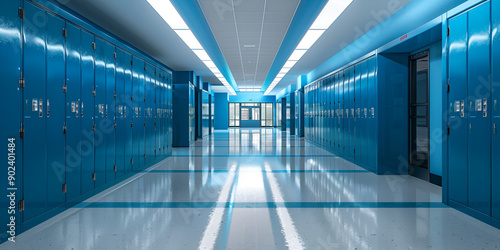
[144, 68]
[114, 168]
[132, 62]
[114, 54]
[64, 129]
[448, 87]
[93, 127]
[448, 129]
[20, 13]
[64, 33]
[64, 188]
[115, 125]
[132, 161]
[93, 46]
[21, 205]
[131, 124]
[494, 128]
[93, 176]
[144, 123]
[144, 156]
[131, 98]
[448, 31]
[65, 88]
[21, 83]
[115, 96]
[21, 132]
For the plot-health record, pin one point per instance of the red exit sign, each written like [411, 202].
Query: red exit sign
[403, 37]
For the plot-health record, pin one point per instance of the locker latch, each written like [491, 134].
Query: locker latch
[64, 188]
[21, 205]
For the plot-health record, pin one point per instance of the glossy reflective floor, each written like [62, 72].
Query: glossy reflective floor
[261, 189]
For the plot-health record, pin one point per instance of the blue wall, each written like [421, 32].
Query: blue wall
[251, 97]
[221, 112]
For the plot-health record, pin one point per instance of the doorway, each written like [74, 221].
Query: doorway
[419, 121]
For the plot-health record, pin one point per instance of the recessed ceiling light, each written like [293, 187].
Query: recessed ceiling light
[249, 45]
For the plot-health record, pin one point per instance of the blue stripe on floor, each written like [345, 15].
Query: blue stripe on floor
[231, 156]
[263, 171]
[261, 205]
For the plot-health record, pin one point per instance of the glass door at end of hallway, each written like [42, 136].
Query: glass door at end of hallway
[251, 115]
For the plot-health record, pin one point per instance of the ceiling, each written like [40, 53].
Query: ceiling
[249, 33]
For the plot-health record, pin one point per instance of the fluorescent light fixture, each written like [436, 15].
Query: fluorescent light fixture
[209, 64]
[310, 38]
[188, 37]
[297, 54]
[330, 13]
[285, 70]
[202, 54]
[280, 75]
[290, 64]
[168, 12]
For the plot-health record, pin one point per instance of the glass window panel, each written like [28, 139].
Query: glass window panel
[255, 114]
[245, 114]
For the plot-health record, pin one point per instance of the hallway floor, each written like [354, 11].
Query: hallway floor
[261, 189]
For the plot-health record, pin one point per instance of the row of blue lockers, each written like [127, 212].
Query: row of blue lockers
[473, 50]
[339, 112]
[80, 112]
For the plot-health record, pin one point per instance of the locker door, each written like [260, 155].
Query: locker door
[101, 121]
[457, 140]
[87, 111]
[341, 144]
[347, 106]
[157, 122]
[170, 126]
[128, 110]
[138, 102]
[35, 166]
[56, 171]
[74, 111]
[10, 96]
[363, 114]
[110, 109]
[372, 92]
[149, 150]
[495, 55]
[333, 94]
[332, 112]
[121, 127]
[479, 141]
[357, 119]
[352, 113]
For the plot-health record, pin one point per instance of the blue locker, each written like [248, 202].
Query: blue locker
[87, 111]
[170, 112]
[352, 119]
[372, 116]
[332, 112]
[159, 114]
[128, 110]
[10, 96]
[74, 109]
[363, 113]
[138, 113]
[457, 140]
[324, 111]
[340, 96]
[357, 112]
[121, 126]
[479, 147]
[333, 94]
[110, 115]
[55, 120]
[348, 79]
[495, 164]
[101, 121]
[149, 125]
[157, 122]
[35, 166]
